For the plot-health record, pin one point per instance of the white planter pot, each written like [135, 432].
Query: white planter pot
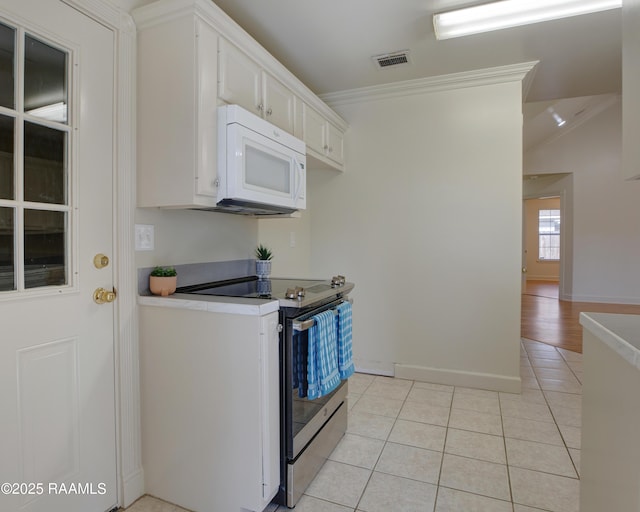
[263, 269]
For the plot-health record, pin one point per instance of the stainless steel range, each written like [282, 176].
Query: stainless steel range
[310, 429]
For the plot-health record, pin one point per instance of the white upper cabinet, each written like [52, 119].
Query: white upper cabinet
[278, 103]
[177, 120]
[243, 82]
[325, 141]
[239, 78]
[335, 144]
[313, 130]
[192, 58]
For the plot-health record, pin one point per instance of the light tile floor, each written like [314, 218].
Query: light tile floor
[415, 446]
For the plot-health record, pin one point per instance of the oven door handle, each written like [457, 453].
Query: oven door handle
[305, 325]
[302, 325]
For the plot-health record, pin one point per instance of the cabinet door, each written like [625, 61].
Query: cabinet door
[278, 103]
[335, 144]
[314, 129]
[270, 363]
[238, 78]
[206, 114]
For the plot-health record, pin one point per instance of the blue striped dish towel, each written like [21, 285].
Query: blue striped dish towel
[322, 359]
[345, 353]
[299, 364]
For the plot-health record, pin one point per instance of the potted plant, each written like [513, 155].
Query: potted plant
[163, 281]
[263, 263]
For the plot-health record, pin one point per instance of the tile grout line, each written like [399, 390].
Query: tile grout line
[386, 440]
[504, 440]
[444, 445]
[564, 442]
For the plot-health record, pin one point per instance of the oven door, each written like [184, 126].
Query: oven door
[304, 418]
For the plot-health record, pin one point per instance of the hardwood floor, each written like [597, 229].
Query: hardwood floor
[556, 322]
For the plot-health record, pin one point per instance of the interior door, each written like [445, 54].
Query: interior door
[57, 425]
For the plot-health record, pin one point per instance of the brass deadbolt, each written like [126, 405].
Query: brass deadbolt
[100, 260]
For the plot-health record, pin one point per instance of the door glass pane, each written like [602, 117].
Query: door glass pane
[267, 171]
[44, 164]
[7, 68]
[6, 157]
[44, 248]
[7, 268]
[45, 81]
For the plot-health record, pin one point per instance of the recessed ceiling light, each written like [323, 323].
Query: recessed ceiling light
[556, 117]
[512, 13]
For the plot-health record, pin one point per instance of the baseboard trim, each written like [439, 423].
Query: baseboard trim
[476, 380]
[373, 367]
[633, 301]
[132, 487]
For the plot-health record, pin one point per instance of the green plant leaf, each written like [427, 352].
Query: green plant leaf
[263, 253]
[164, 272]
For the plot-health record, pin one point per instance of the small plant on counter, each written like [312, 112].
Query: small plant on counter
[163, 281]
[164, 272]
[263, 253]
[263, 264]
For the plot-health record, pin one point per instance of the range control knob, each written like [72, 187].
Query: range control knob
[337, 281]
[295, 293]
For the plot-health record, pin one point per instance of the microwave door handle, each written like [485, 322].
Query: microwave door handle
[300, 175]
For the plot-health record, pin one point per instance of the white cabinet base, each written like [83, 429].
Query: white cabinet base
[210, 410]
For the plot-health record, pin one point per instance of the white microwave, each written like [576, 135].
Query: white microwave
[261, 168]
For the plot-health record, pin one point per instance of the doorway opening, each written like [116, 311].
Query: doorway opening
[547, 255]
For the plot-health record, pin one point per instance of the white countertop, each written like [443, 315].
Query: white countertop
[620, 332]
[212, 304]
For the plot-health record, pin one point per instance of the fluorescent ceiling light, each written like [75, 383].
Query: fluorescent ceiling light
[512, 13]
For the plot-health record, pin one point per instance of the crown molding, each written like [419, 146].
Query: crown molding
[522, 72]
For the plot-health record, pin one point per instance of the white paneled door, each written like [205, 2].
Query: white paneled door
[57, 397]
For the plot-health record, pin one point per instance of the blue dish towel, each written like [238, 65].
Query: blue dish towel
[299, 364]
[322, 359]
[345, 353]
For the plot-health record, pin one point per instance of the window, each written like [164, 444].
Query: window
[549, 235]
[35, 184]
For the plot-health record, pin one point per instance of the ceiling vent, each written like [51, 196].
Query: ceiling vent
[391, 60]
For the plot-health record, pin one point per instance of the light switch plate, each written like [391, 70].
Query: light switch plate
[144, 237]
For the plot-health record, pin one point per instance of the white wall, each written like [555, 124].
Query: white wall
[606, 208]
[290, 240]
[427, 222]
[189, 236]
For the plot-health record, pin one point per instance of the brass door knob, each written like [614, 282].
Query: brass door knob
[102, 296]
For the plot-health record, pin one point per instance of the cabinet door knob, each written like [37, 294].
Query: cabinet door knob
[260, 107]
[269, 111]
